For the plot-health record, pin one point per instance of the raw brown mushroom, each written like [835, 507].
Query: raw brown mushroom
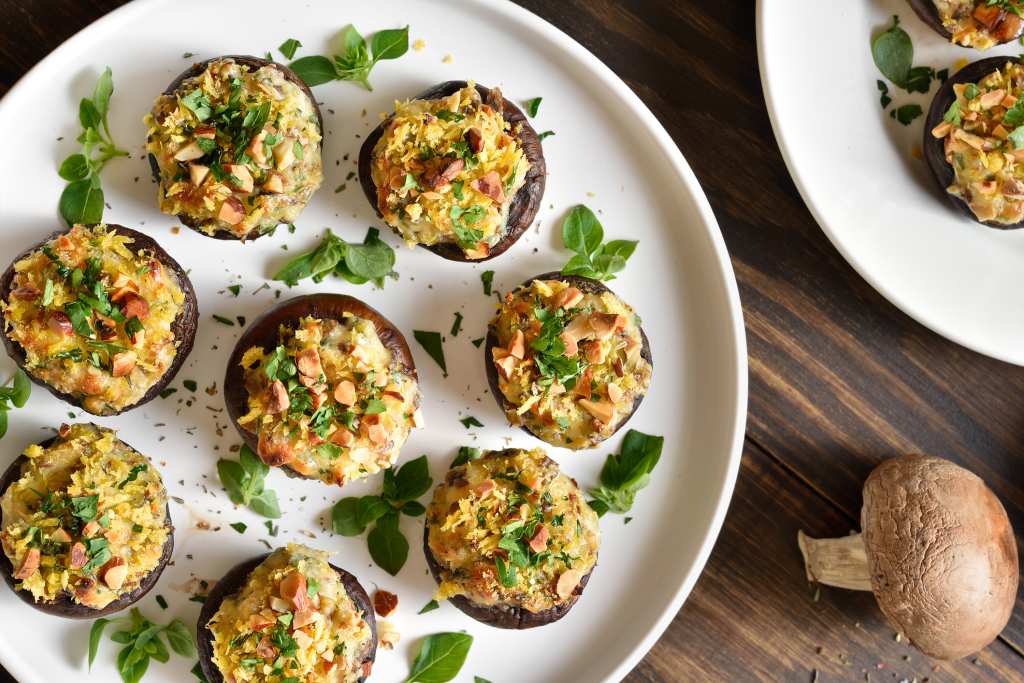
[937, 550]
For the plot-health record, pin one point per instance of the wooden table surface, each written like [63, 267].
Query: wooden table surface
[839, 378]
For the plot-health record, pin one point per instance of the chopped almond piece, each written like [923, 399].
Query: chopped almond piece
[474, 140]
[490, 186]
[941, 130]
[308, 362]
[123, 363]
[78, 556]
[134, 306]
[279, 401]
[485, 487]
[567, 582]
[189, 152]
[615, 394]
[265, 650]
[208, 132]
[274, 184]
[114, 576]
[601, 410]
[571, 347]
[305, 617]
[606, 324]
[343, 437]
[595, 353]
[377, 434]
[583, 384]
[436, 179]
[60, 536]
[539, 541]
[29, 565]
[384, 603]
[345, 393]
[293, 587]
[197, 173]
[991, 98]
[241, 174]
[568, 297]
[506, 365]
[517, 347]
[256, 148]
[284, 154]
[90, 529]
[59, 322]
[231, 211]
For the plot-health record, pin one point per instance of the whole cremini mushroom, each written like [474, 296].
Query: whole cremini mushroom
[937, 550]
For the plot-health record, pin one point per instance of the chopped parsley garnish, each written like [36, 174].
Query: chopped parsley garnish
[487, 278]
[240, 527]
[224, 321]
[470, 421]
[133, 475]
[432, 344]
[457, 325]
[532, 106]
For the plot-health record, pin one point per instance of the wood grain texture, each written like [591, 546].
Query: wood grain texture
[840, 379]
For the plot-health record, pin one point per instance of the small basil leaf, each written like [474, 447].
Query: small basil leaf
[75, 167]
[314, 70]
[95, 634]
[390, 43]
[440, 658]
[387, 545]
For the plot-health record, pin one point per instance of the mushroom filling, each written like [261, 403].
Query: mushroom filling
[238, 149]
[292, 621]
[331, 401]
[981, 23]
[510, 528]
[984, 144]
[446, 170]
[569, 362]
[94, 317]
[87, 518]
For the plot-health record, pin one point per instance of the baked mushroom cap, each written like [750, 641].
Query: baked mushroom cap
[586, 285]
[934, 148]
[937, 550]
[524, 206]
[64, 605]
[254, 63]
[183, 328]
[503, 614]
[235, 579]
[929, 14]
[265, 332]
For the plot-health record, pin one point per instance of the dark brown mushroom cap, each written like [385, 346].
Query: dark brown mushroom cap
[504, 615]
[929, 14]
[253, 63]
[584, 284]
[233, 582]
[524, 205]
[265, 332]
[934, 148]
[183, 327]
[64, 605]
[941, 554]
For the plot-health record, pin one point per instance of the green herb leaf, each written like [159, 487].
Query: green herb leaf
[197, 671]
[883, 90]
[102, 92]
[457, 325]
[75, 167]
[1014, 116]
[289, 47]
[1017, 137]
[465, 455]
[440, 658]
[231, 478]
[389, 43]
[240, 527]
[181, 639]
[314, 70]
[893, 53]
[21, 389]
[345, 517]
[487, 278]
[95, 634]
[906, 113]
[387, 545]
[952, 114]
[470, 421]
[413, 480]
[265, 503]
[432, 344]
[623, 475]
[532, 106]
[581, 231]
[133, 474]
[545, 134]
[429, 607]
[224, 321]
[82, 202]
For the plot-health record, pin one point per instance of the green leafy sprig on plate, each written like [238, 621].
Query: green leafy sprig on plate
[142, 641]
[17, 394]
[583, 234]
[373, 260]
[388, 547]
[358, 58]
[244, 480]
[623, 475]
[82, 198]
[440, 658]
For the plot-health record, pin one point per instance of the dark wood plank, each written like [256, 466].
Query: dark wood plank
[753, 616]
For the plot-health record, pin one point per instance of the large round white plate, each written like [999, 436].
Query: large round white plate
[608, 152]
[856, 169]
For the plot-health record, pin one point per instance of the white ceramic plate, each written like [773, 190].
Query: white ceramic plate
[855, 168]
[609, 152]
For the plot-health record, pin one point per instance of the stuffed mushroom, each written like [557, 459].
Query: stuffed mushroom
[287, 616]
[324, 386]
[973, 144]
[510, 539]
[979, 24]
[85, 526]
[458, 169]
[100, 315]
[567, 360]
[235, 144]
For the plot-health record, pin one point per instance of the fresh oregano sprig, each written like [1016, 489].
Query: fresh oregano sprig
[358, 59]
[17, 395]
[387, 545]
[583, 234]
[82, 198]
[371, 261]
[142, 641]
[244, 480]
[625, 473]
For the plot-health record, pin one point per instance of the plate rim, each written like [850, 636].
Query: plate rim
[890, 294]
[722, 264]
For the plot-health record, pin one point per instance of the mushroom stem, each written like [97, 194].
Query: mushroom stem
[840, 562]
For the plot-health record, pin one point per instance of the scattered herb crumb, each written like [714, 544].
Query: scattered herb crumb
[429, 607]
[478, 341]
[470, 421]
[487, 278]
[235, 289]
[532, 106]
[432, 344]
[457, 325]
[190, 384]
[161, 601]
[224, 321]
[240, 527]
